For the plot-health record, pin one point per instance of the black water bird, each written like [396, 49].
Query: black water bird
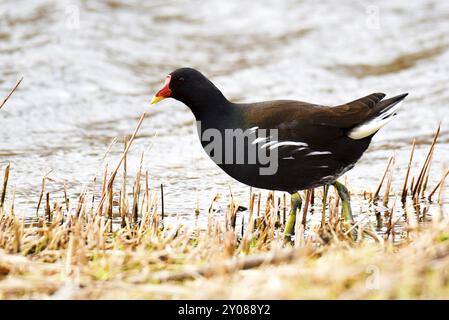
[313, 144]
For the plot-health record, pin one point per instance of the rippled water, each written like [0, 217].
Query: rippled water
[91, 67]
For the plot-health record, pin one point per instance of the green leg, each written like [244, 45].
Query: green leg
[343, 193]
[295, 205]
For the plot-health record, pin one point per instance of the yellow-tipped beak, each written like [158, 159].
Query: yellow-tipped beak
[156, 99]
[165, 92]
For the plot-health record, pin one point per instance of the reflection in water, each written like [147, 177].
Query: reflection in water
[90, 68]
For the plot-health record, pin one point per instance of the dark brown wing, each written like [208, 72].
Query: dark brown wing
[303, 121]
[322, 128]
[274, 113]
[349, 114]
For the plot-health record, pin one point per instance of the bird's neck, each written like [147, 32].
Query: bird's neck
[209, 103]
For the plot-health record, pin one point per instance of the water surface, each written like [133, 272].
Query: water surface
[91, 67]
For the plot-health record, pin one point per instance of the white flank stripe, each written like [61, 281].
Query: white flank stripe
[260, 139]
[318, 153]
[268, 144]
[288, 143]
[253, 129]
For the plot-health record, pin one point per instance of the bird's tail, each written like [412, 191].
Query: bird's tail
[385, 111]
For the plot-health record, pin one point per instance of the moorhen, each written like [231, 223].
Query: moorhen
[307, 145]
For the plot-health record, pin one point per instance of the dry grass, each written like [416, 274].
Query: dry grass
[11, 92]
[105, 248]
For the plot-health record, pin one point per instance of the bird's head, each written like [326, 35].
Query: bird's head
[190, 87]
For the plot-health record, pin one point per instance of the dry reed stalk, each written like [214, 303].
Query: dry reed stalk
[124, 206]
[337, 197]
[41, 195]
[284, 208]
[5, 184]
[109, 206]
[81, 203]
[251, 210]
[308, 197]
[376, 194]
[333, 211]
[251, 205]
[112, 177]
[136, 192]
[278, 212]
[274, 217]
[17, 236]
[108, 149]
[391, 223]
[355, 225]
[440, 183]
[103, 188]
[242, 227]
[66, 198]
[324, 203]
[145, 223]
[47, 206]
[154, 217]
[142, 205]
[147, 192]
[162, 203]
[92, 203]
[11, 92]
[209, 213]
[13, 200]
[426, 179]
[409, 165]
[230, 209]
[226, 216]
[425, 167]
[388, 186]
[266, 220]
[233, 215]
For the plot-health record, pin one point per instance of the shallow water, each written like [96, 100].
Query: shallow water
[91, 67]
